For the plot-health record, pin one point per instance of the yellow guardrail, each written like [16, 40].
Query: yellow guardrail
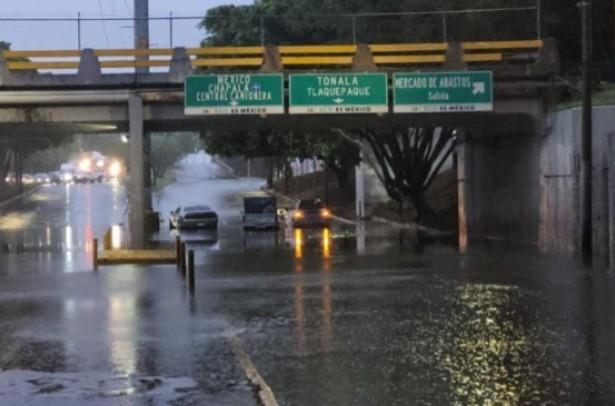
[291, 56]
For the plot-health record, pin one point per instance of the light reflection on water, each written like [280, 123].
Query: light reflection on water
[64, 219]
[122, 328]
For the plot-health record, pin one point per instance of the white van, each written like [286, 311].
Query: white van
[260, 212]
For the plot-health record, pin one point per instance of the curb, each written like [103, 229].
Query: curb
[397, 223]
[414, 226]
[12, 199]
[263, 392]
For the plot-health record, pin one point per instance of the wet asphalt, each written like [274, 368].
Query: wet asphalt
[357, 315]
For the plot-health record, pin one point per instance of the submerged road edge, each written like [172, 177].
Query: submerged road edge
[265, 394]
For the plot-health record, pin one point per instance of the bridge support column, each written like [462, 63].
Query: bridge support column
[147, 170]
[360, 188]
[464, 185]
[611, 199]
[4, 71]
[137, 177]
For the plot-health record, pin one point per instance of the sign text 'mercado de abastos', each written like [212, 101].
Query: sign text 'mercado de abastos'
[442, 92]
[234, 94]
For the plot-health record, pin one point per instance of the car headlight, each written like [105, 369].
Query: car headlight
[298, 214]
[325, 213]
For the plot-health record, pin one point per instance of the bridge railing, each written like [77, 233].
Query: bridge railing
[287, 57]
[427, 25]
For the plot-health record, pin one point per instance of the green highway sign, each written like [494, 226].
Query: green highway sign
[234, 94]
[442, 92]
[338, 93]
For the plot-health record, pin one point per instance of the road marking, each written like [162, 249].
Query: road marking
[265, 394]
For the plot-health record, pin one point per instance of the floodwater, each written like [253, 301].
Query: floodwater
[355, 315]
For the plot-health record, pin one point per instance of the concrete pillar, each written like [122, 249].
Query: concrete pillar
[136, 164]
[181, 66]
[363, 60]
[611, 199]
[89, 68]
[272, 61]
[360, 188]
[455, 57]
[141, 30]
[147, 170]
[464, 184]
[4, 70]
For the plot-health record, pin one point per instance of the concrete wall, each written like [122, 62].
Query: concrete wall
[560, 183]
[503, 188]
[560, 174]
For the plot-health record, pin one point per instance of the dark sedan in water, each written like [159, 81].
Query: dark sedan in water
[193, 217]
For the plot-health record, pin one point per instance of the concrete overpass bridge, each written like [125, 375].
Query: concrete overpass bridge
[44, 93]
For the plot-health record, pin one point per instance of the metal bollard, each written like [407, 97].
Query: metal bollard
[95, 254]
[191, 271]
[183, 259]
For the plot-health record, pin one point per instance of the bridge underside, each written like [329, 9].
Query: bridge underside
[516, 118]
[168, 119]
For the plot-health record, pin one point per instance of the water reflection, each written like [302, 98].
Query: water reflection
[487, 347]
[299, 313]
[326, 243]
[325, 328]
[361, 235]
[122, 325]
[116, 237]
[298, 243]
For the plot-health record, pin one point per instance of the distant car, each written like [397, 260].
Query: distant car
[311, 213]
[42, 178]
[55, 177]
[193, 217]
[27, 179]
[260, 212]
[88, 177]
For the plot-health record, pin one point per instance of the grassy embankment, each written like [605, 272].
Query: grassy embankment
[604, 95]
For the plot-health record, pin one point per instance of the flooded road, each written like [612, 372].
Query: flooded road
[355, 315]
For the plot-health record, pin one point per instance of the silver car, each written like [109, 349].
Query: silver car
[193, 217]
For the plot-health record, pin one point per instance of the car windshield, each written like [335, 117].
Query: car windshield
[193, 209]
[310, 205]
[258, 205]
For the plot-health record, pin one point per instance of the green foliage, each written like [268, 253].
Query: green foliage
[310, 22]
[339, 154]
[231, 25]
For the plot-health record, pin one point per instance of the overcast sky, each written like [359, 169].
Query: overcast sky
[63, 35]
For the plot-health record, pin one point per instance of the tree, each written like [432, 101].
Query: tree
[409, 161]
[339, 154]
[308, 22]
[231, 25]
[168, 148]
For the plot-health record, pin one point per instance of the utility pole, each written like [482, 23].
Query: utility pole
[586, 141]
[141, 25]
